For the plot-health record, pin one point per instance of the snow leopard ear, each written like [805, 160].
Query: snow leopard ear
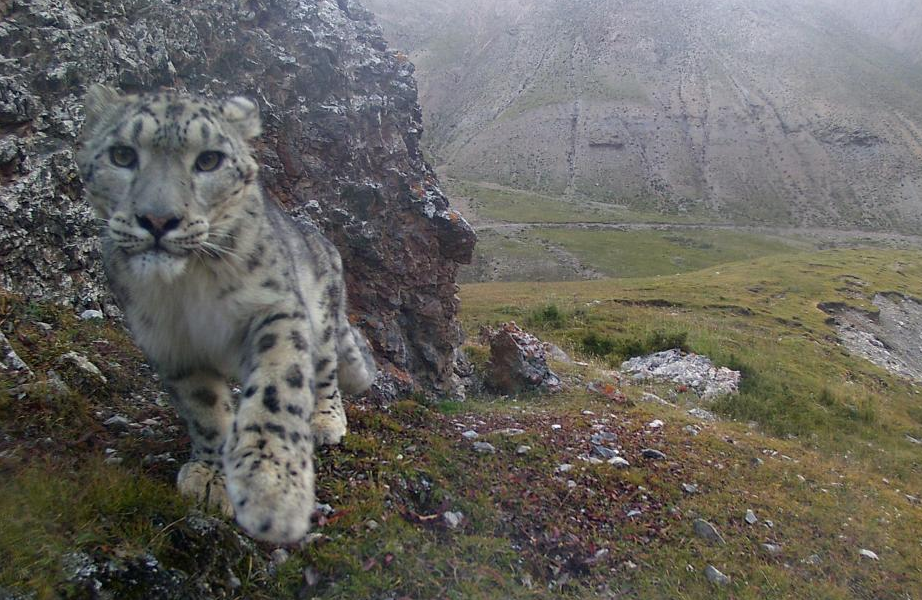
[100, 100]
[243, 114]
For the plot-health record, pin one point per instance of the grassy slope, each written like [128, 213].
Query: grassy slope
[527, 532]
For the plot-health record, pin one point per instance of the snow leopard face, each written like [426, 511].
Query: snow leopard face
[168, 174]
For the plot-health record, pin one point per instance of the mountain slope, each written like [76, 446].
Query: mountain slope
[767, 111]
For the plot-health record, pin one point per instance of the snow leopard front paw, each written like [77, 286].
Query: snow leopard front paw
[206, 484]
[328, 426]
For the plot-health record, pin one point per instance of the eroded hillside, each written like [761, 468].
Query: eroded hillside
[764, 111]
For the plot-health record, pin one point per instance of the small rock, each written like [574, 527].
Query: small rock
[233, 582]
[652, 454]
[89, 315]
[619, 462]
[42, 325]
[654, 399]
[689, 488]
[770, 524]
[556, 427]
[751, 517]
[325, 509]
[633, 513]
[371, 524]
[510, 431]
[629, 565]
[755, 461]
[453, 519]
[813, 559]
[571, 484]
[772, 549]
[113, 460]
[913, 440]
[523, 449]
[704, 415]
[117, 423]
[564, 468]
[311, 577]
[484, 448]
[604, 451]
[84, 364]
[278, 558]
[912, 499]
[10, 361]
[470, 434]
[707, 531]
[691, 430]
[603, 437]
[868, 554]
[715, 576]
[655, 424]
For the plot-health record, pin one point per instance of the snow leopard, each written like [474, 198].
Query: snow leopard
[217, 284]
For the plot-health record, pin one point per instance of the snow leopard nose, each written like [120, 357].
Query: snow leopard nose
[158, 226]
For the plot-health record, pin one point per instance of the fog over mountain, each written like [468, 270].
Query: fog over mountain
[752, 111]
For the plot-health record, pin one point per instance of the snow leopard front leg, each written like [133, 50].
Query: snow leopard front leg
[268, 457]
[204, 403]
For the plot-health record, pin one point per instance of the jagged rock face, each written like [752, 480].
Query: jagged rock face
[341, 148]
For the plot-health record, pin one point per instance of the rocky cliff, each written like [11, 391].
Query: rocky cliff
[341, 148]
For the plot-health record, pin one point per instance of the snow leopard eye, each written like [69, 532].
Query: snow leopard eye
[123, 156]
[208, 161]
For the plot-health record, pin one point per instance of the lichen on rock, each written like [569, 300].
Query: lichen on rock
[341, 148]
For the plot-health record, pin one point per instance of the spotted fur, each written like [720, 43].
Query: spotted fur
[216, 284]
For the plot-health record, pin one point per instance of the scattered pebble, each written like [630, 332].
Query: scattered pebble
[704, 415]
[755, 461]
[325, 509]
[311, 577]
[691, 430]
[689, 488]
[117, 423]
[453, 519]
[751, 517]
[470, 434]
[813, 559]
[715, 576]
[89, 315]
[603, 437]
[564, 468]
[556, 426]
[707, 531]
[772, 549]
[654, 399]
[868, 554]
[510, 431]
[278, 558]
[604, 451]
[371, 524]
[619, 462]
[633, 513]
[655, 424]
[484, 448]
[652, 454]
[523, 449]
[82, 363]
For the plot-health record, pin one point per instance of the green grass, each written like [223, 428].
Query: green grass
[510, 205]
[528, 532]
[649, 253]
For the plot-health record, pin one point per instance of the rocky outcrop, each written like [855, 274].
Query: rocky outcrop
[341, 148]
[889, 338]
[518, 361]
[692, 371]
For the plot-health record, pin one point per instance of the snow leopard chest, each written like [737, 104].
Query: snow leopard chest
[190, 325]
